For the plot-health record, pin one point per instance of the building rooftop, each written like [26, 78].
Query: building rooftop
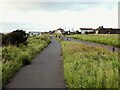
[87, 29]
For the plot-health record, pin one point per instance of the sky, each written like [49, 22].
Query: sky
[46, 16]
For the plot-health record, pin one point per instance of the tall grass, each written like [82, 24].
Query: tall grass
[107, 39]
[13, 58]
[89, 67]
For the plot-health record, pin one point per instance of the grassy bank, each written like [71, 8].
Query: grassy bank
[107, 39]
[89, 67]
[13, 58]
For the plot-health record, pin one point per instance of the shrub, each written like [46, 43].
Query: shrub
[25, 58]
[10, 52]
[14, 38]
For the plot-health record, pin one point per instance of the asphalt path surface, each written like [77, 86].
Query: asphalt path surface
[46, 70]
[110, 48]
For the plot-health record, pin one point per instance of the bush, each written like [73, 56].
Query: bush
[14, 38]
[25, 58]
[9, 53]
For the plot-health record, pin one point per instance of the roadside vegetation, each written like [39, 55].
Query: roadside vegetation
[18, 55]
[107, 39]
[89, 67]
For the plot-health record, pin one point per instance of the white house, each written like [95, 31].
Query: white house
[86, 30]
[59, 31]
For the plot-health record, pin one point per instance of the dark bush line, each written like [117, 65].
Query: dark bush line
[14, 38]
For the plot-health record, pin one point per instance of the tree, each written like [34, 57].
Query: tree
[14, 38]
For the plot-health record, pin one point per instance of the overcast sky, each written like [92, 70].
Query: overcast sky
[52, 15]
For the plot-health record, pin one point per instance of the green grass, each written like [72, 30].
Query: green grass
[89, 67]
[107, 39]
[13, 58]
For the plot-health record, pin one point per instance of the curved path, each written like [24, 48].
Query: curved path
[46, 70]
[110, 48]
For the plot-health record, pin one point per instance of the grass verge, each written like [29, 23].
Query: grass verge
[89, 67]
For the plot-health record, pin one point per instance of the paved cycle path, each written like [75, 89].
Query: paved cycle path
[110, 48]
[46, 70]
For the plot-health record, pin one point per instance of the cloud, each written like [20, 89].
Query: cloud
[90, 16]
[78, 15]
[55, 6]
[59, 0]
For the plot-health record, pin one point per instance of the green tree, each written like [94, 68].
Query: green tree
[14, 38]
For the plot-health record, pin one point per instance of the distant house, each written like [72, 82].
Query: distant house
[102, 30]
[69, 32]
[86, 30]
[34, 33]
[66, 32]
[59, 31]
